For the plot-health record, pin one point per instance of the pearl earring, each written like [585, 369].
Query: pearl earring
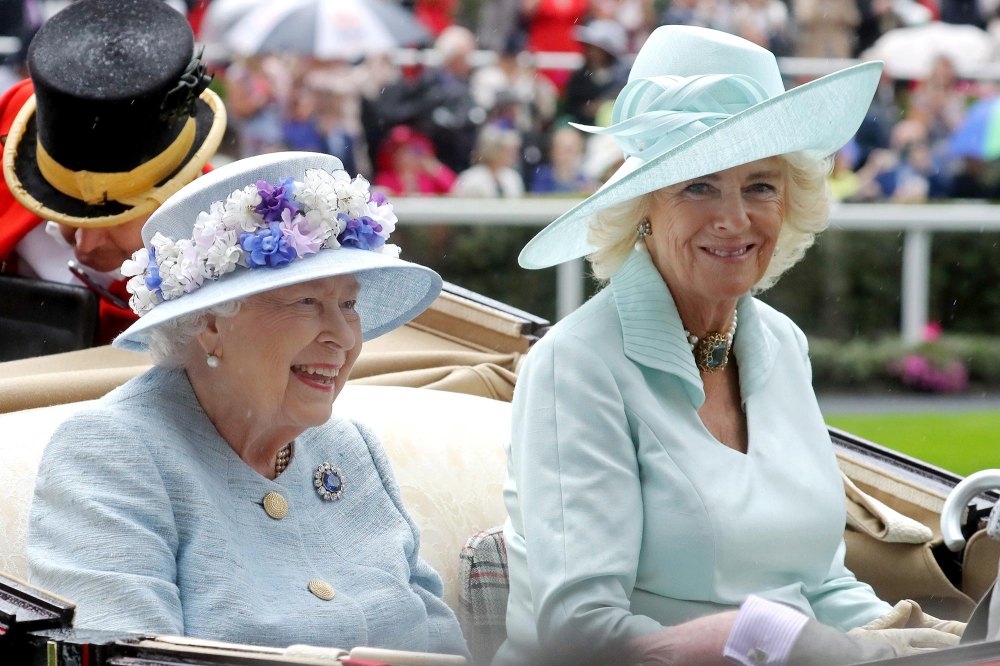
[212, 360]
[645, 229]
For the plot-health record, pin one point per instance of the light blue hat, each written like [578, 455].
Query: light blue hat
[699, 101]
[267, 222]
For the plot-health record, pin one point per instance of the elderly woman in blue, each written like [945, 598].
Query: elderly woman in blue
[669, 463]
[214, 496]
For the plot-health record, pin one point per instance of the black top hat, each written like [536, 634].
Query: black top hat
[121, 118]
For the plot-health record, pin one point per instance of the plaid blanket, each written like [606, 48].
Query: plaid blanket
[482, 593]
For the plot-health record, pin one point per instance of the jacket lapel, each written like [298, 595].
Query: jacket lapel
[653, 334]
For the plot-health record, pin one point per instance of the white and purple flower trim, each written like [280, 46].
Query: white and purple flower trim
[262, 226]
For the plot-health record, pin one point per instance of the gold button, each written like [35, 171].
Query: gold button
[322, 589]
[275, 505]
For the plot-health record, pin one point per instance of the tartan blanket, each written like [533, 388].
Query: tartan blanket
[482, 593]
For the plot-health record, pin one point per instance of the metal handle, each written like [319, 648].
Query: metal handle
[958, 499]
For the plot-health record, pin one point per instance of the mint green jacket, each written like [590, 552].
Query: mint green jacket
[627, 515]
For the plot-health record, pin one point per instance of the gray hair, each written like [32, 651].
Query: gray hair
[807, 206]
[492, 141]
[170, 342]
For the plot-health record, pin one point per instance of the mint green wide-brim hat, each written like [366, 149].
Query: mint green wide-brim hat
[699, 101]
[392, 291]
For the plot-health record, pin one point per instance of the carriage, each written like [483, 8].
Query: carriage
[450, 376]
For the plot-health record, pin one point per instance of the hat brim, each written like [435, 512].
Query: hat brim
[29, 187]
[392, 291]
[817, 117]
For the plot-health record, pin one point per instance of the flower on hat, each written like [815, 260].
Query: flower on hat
[267, 247]
[264, 225]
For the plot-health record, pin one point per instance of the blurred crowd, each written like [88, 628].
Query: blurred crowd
[499, 126]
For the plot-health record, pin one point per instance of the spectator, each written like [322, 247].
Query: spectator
[826, 28]
[904, 173]
[685, 12]
[939, 103]
[407, 165]
[254, 107]
[963, 12]
[844, 181]
[446, 109]
[602, 74]
[387, 99]
[877, 18]
[976, 179]
[507, 112]
[338, 88]
[341, 132]
[719, 14]
[564, 171]
[498, 23]
[550, 26]
[435, 15]
[602, 155]
[493, 175]
[300, 127]
[636, 16]
[763, 22]
[514, 77]
[511, 112]
[876, 129]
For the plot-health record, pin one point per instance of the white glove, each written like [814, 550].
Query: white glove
[910, 631]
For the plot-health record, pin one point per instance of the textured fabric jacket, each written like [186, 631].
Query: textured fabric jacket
[146, 518]
[627, 515]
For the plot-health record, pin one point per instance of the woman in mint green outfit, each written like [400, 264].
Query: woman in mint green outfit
[668, 460]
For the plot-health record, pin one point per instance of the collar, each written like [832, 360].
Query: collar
[653, 334]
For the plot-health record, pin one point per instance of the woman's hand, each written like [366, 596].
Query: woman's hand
[698, 642]
[908, 641]
[909, 630]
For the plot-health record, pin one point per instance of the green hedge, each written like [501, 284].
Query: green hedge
[864, 363]
[849, 284]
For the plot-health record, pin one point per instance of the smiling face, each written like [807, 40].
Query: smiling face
[287, 353]
[713, 237]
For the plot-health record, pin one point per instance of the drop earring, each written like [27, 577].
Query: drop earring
[212, 360]
[645, 229]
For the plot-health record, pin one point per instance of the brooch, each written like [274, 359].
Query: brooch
[329, 482]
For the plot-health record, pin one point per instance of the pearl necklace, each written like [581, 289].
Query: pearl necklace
[281, 460]
[711, 353]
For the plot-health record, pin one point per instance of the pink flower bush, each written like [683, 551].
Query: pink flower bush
[921, 372]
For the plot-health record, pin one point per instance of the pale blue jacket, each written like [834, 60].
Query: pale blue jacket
[627, 515]
[146, 518]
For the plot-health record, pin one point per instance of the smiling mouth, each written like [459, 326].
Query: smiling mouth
[321, 375]
[725, 254]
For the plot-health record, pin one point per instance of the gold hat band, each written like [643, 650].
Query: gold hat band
[97, 187]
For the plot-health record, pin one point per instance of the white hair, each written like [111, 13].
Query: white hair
[170, 344]
[807, 206]
[455, 41]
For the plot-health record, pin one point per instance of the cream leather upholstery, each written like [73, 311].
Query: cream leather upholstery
[447, 451]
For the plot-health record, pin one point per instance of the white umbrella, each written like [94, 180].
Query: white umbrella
[325, 29]
[909, 52]
[219, 17]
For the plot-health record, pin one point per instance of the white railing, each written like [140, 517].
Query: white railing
[917, 223]
[790, 66]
